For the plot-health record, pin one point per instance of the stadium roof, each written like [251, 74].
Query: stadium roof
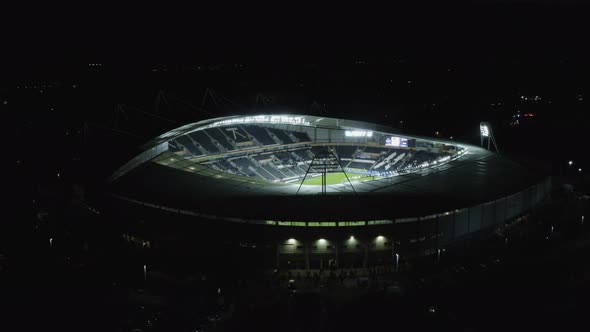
[478, 176]
[280, 118]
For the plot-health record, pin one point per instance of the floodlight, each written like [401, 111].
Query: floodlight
[485, 131]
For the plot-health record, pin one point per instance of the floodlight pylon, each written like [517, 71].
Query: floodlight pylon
[486, 132]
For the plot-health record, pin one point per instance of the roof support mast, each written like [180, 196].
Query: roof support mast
[324, 163]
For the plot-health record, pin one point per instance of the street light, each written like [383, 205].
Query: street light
[144, 272]
[438, 256]
[51, 242]
[397, 262]
[570, 162]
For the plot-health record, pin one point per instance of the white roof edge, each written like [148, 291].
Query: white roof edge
[313, 121]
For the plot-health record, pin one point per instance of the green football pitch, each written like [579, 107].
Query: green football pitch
[338, 178]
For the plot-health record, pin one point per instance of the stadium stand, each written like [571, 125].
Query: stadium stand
[373, 149]
[228, 166]
[174, 147]
[245, 166]
[302, 155]
[274, 172]
[289, 164]
[344, 151]
[302, 137]
[285, 157]
[218, 135]
[260, 134]
[358, 165]
[186, 142]
[204, 140]
[319, 149]
[281, 135]
[236, 134]
[261, 157]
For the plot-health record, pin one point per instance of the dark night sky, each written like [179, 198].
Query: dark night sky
[465, 30]
[496, 49]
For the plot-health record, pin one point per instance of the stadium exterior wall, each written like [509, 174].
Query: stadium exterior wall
[304, 244]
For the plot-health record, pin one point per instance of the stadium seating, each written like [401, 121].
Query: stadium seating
[260, 134]
[187, 143]
[302, 155]
[280, 165]
[265, 156]
[374, 149]
[288, 164]
[173, 146]
[204, 140]
[285, 157]
[274, 172]
[319, 149]
[357, 165]
[244, 164]
[281, 135]
[302, 137]
[218, 135]
[345, 151]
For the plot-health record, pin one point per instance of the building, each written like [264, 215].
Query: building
[247, 181]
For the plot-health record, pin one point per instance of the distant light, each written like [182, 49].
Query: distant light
[291, 240]
[322, 241]
[380, 238]
[351, 238]
[579, 170]
[570, 162]
[191, 168]
[171, 159]
[451, 137]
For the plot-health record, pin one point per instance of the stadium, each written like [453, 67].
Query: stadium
[304, 191]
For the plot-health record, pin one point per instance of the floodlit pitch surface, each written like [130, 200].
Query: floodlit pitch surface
[338, 178]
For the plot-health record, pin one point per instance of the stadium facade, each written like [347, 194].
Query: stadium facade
[388, 194]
